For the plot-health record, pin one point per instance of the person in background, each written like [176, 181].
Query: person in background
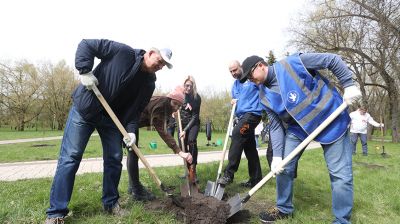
[358, 128]
[155, 114]
[190, 115]
[171, 125]
[248, 113]
[295, 93]
[126, 78]
[257, 132]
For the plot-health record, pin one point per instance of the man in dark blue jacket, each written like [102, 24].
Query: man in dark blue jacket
[126, 78]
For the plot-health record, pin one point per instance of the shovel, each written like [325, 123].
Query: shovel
[121, 128]
[213, 189]
[236, 202]
[189, 187]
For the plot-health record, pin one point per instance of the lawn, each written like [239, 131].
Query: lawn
[376, 193]
[49, 150]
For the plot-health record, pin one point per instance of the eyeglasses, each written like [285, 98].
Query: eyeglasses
[254, 68]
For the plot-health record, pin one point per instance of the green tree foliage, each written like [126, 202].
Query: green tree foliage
[59, 84]
[21, 92]
[216, 107]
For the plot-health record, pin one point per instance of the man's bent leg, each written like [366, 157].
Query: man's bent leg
[285, 180]
[111, 140]
[76, 135]
[339, 162]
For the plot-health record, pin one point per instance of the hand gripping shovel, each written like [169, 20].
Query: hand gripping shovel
[236, 202]
[189, 188]
[134, 148]
[214, 189]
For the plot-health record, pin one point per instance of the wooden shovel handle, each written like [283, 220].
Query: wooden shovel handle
[125, 134]
[300, 147]
[184, 149]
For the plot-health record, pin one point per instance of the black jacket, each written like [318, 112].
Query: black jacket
[123, 85]
[190, 111]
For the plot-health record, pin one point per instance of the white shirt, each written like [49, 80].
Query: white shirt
[259, 128]
[360, 122]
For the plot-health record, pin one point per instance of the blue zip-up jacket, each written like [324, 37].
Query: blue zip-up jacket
[123, 85]
[236, 87]
[312, 62]
[248, 99]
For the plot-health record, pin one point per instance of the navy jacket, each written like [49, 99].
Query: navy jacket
[123, 85]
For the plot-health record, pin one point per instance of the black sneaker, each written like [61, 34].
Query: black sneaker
[225, 180]
[140, 193]
[246, 184]
[273, 214]
[249, 184]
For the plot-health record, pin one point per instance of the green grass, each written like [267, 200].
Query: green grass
[49, 150]
[7, 134]
[376, 193]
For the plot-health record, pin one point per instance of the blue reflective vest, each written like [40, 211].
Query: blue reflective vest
[308, 100]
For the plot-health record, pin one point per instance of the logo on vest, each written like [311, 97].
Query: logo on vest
[292, 97]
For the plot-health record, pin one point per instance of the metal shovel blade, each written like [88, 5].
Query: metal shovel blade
[219, 190]
[236, 204]
[209, 189]
[185, 190]
[219, 193]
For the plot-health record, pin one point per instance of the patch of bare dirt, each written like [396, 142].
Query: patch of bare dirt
[197, 209]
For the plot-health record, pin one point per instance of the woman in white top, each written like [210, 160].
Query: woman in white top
[359, 122]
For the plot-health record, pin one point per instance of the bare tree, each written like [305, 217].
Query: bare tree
[59, 85]
[345, 27]
[21, 92]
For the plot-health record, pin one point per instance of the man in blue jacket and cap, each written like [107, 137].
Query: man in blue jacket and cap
[294, 92]
[126, 78]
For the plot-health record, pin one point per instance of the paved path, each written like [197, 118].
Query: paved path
[41, 169]
[4, 142]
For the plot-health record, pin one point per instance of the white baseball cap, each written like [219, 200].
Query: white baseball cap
[166, 55]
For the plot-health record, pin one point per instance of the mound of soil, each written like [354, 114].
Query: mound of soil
[197, 209]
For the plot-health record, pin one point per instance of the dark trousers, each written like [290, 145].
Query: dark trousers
[269, 151]
[243, 140]
[190, 141]
[132, 165]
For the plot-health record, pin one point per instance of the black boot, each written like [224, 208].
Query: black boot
[139, 193]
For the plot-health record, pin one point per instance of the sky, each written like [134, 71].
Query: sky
[204, 36]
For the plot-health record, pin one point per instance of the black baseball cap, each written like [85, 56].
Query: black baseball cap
[247, 65]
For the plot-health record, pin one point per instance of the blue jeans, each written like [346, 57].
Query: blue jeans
[76, 136]
[363, 138]
[338, 157]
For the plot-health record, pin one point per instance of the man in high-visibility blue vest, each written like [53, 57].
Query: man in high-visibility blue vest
[294, 92]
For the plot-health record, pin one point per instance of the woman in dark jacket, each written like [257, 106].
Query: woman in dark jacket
[190, 115]
[156, 114]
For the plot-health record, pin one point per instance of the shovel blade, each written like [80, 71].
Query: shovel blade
[219, 193]
[235, 203]
[185, 190]
[209, 189]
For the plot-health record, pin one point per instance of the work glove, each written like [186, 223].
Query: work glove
[382, 125]
[131, 140]
[89, 80]
[186, 156]
[274, 165]
[351, 94]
